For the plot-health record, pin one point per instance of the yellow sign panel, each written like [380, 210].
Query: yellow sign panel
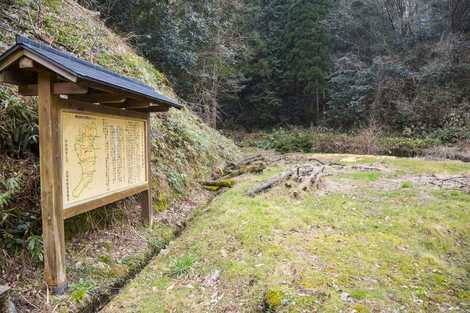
[101, 154]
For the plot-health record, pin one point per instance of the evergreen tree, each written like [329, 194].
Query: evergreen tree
[306, 59]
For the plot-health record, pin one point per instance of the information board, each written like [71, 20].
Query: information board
[101, 154]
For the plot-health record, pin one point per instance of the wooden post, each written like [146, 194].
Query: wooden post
[146, 202]
[51, 194]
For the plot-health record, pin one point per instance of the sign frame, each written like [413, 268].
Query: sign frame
[85, 206]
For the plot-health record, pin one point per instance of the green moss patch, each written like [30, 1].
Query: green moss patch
[368, 250]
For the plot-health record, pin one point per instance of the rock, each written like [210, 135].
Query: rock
[212, 279]
[12, 308]
[345, 297]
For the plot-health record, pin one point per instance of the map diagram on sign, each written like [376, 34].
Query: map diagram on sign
[101, 154]
[84, 147]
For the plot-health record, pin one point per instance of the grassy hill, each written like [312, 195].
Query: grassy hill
[184, 149]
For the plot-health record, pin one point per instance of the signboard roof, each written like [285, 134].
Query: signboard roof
[87, 71]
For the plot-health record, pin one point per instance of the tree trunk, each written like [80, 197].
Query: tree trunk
[317, 106]
[213, 112]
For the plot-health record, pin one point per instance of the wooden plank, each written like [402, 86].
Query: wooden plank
[51, 192]
[58, 89]
[28, 90]
[88, 107]
[26, 63]
[93, 204]
[116, 91]
[51, 66]
[100, 98]
[69, 89]
[12, 58]
[17, 78]
[146, 199]
[152, 108]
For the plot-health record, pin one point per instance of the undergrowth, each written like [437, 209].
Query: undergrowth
[366, 141]
[184, 148]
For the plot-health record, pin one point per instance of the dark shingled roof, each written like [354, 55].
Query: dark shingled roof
[88, 71]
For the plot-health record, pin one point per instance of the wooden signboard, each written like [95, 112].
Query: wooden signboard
[91, 156]
[101, 155]
[94, 138]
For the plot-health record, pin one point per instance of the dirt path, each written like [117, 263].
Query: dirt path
[378, 235]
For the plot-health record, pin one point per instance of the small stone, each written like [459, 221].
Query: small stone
[223, 253]
[345, 297]
[78, 265]
[212, 279]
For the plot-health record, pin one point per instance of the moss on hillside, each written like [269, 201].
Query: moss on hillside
[184, 148]
[67, 25]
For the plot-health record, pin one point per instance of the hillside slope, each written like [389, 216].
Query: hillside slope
[184, 149]
[67, 25]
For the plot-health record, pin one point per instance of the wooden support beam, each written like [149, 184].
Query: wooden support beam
[28, 90]
[51, 189]
[52, 67]
[100, 98]
[93, 204]
[152, 108]
[117, 92]
[69, 89]
[146, 201]
[16, 77]
[58, 89]
[11, 59]
[135, 103]
[26, 63]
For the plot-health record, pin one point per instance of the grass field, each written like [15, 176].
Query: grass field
[385, 240]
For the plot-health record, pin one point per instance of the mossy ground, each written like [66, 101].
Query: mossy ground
[363, 249]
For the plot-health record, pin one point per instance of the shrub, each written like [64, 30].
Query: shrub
[18, 125]
[366, 141]
[284, 140]
[17, 224]
[406, 147]
[451, 134]
[80, 289]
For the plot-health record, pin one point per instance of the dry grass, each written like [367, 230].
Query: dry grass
[368, 247]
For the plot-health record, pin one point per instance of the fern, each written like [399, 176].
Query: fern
[5, 199]
[35, 248]
[11, 185]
